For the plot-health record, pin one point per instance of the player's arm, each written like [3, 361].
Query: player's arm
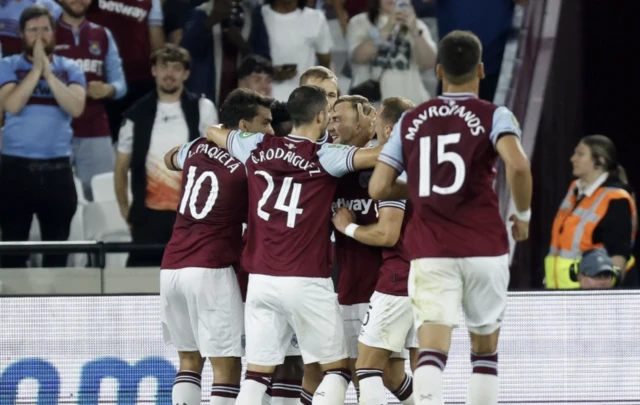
[239, 144]
[506, 138]
[175, 158]
[383, 184]
[366, 158]
[385, 232]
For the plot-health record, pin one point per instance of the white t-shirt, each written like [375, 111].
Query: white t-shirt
[295, 38]
[403, 79]
[169, 129]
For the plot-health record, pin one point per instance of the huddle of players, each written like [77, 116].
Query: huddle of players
[283, 186]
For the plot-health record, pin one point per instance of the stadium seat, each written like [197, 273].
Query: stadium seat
[77, 229]
[102, 221]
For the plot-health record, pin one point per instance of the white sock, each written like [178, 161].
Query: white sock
[333, 388]
[224, 394]
[404, 392]
[372, 390]
[483, 387]
[186, 389]
[427, 384]
[253, 389]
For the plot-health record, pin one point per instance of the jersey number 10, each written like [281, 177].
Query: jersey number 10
[192, 189]
[425, 188]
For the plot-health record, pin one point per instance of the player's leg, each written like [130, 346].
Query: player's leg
[267, 335]
[397, 380]
[178, 332]
[220, 317]
[314, 314]
[310, 382]
[435, 289]
[486, 280]
[287, 379]
[384, 332]
[352, 317]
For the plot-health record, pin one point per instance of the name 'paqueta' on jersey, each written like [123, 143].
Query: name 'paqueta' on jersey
[213, 206]
[447, 147]
[292, 181]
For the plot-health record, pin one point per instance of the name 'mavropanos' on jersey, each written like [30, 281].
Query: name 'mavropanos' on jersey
[453, 109]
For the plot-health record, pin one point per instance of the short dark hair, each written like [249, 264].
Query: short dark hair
[394, 107]
[242, 104]
[354, 100]
[281, 119]
[254, 64]
[305, 103]
[317, 72]
[460, 52]
[36, 11]
[171, 53]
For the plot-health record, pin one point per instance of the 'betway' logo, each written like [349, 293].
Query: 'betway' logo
[358, 205]
[138, 13]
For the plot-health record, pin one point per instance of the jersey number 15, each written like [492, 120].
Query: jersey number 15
[425, 188]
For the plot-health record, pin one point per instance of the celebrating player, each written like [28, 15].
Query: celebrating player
[201, 304]
[387, 330]
[291, 185]
[455, 237]
[357, 263]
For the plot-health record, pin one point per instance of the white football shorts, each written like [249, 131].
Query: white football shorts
[352, 317]
[201, 310]
[439, 287]
[389, 325]
[278, 307]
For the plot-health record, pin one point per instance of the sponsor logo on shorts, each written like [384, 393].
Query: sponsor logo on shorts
[294, 341]
[243, 341]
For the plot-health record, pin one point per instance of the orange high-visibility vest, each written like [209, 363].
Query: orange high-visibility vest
[572, 232]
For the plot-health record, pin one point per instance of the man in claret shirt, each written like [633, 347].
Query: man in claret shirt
[455, 238]
[387, 331]
[95, 51]
[201, 301]
[291, 185]
[357, 262]
[137, 26]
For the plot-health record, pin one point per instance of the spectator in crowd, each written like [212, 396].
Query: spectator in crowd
[491, 21]
[324, 78]
[95, 50]
[10, 12]
[595, 270]
[215, 35]
[281, 122]
[137, 28]
[297, 37]
[390, 46]
[256, 73]
[168, 116]
[598, 212]
[40, 93]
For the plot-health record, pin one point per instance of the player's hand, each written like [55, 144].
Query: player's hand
[519, 229]
[342, 218]
[366, 119]
[98, 90]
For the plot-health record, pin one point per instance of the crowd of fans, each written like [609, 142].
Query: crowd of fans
[77, 81]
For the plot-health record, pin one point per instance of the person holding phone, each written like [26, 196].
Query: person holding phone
[389, 44]
[298, 37]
